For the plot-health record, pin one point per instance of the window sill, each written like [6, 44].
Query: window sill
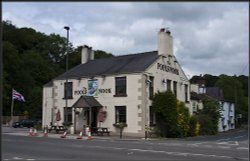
[67, 98]
[120, 95]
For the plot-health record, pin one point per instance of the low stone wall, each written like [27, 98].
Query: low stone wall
[6, 119]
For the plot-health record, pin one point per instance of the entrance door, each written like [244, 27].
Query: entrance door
[92, 121]
[94, 117]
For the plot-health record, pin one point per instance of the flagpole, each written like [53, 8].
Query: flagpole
[12, 104]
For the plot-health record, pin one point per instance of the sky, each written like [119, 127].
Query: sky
[209, 37]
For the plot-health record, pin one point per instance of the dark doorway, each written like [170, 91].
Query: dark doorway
[94, 116]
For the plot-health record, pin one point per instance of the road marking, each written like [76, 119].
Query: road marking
[169, 153]
[224, 147]
[240, 136]
[200, 143]
[227, 143]
[17, 158]
[242, 148]
[224, 139]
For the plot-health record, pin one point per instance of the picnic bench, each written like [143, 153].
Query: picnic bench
[57, 129]
[100, 130]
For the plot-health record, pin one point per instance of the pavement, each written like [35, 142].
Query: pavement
[115, 137]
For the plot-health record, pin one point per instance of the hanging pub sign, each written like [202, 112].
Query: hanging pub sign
[93, 88]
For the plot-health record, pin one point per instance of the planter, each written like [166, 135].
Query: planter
[120, 126]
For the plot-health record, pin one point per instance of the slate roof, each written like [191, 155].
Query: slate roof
[49, 84]
[215, 92]
[132, 63]
[86, 101]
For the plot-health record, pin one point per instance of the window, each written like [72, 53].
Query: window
[152, 121]
[221, 106]
[68, 91]
[169, 85]
[151, 87]
[175, 88]
[120, 86]
[186, 93]
[120, 114]
[67, 115]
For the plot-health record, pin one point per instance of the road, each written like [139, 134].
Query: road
[230, 146]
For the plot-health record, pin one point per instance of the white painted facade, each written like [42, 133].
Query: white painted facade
[227, 120]
[227, 109]
[137, 102]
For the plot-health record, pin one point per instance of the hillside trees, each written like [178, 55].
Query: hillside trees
[30, 60]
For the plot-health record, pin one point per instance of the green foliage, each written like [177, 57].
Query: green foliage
[183, 118]
[102, 54]
[32, 59]
[165, 108]
[210, 80]
[209, 117]
[233, 91]
[193, 123]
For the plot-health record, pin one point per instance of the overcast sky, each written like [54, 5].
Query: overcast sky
[209, 38]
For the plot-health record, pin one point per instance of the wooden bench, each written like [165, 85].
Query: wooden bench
[57, 129]
[100, 131]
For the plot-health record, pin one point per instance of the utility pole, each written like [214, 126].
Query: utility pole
[67, 53]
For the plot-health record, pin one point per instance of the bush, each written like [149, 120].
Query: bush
[165, 108]
[183, 119]
[193, 126]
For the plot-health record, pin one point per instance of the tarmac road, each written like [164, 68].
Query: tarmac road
[227, 146]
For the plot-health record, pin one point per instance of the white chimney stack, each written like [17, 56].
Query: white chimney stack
[87, 54]
[165, 42]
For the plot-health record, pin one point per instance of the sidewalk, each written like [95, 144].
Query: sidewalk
[75, 136]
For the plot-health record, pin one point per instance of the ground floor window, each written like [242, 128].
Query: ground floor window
[152, 121]
[67, 115]
[120, 114]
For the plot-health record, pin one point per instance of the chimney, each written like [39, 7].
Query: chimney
[165, 42]
[87, 54]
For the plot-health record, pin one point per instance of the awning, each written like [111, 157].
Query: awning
[86, 101]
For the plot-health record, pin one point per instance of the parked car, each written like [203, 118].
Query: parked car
[25, 123]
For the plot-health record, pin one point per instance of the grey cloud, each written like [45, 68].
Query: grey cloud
[205, 34]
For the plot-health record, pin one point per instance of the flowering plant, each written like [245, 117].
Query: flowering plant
[120, 125]
[104, 114]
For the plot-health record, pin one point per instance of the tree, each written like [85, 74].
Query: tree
[233, 91]
[165, 108]
[209, 116]
[32, 59]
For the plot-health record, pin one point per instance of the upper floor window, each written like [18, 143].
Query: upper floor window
[222, 106]
[68, 90]
[186, 93]
[175, 88]
[120, 86]
[151, 87]
[169, 85]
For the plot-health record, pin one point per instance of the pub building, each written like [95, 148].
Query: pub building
[107, 91]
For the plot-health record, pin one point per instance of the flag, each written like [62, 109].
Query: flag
[17, 96]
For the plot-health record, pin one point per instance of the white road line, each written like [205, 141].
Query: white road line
[169, 153]
[200, 143]
[224, 147]
[224, 139]
[228, 143]
[240, 136]
[242, 148]
[17, 158]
